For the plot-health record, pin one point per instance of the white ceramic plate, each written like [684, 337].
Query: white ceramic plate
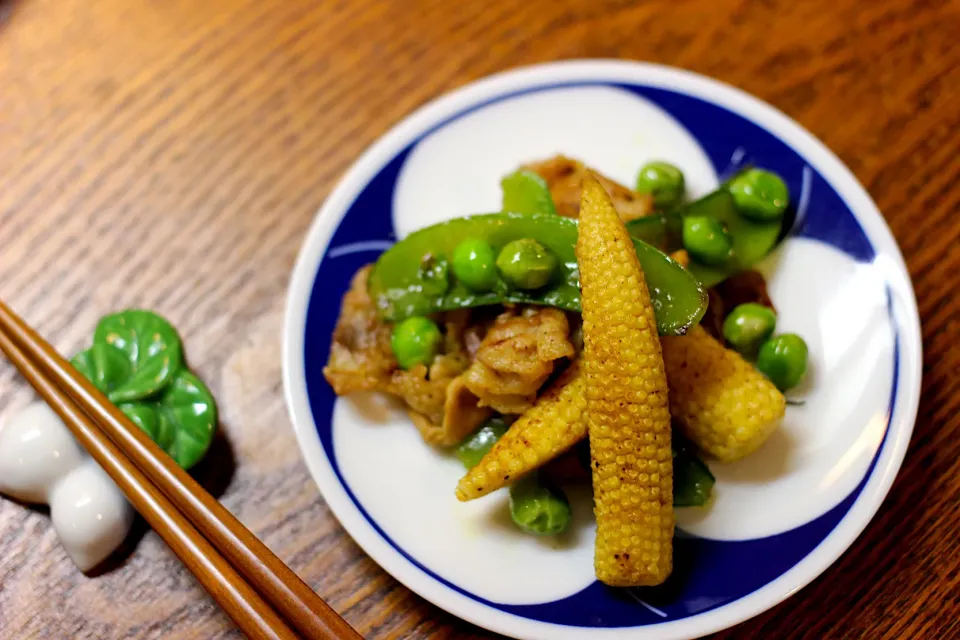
[780, 518]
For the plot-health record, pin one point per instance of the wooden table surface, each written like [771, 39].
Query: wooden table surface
[172, 154]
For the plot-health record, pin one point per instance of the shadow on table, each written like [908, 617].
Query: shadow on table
[214, 474]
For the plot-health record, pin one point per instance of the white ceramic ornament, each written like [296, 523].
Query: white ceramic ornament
[41, 463]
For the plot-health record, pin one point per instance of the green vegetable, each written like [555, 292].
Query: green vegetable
[538, 508]
[477, 444]
[535, 506]
[752, 241]
[526, 264]
[415, 341]
[692, 480]
[663, 181]
[175, 408]
[526, 192]
[783, 359]
[706, 240]
[654, 231]
[152, 349]
[760, 195]
[434, 275]
[474, 264]
[678, 299]
[748, 326]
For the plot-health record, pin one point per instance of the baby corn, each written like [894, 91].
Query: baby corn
[627, 415]
[553, 425]
[722, 403]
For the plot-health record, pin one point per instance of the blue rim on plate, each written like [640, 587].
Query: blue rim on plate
[717, 582]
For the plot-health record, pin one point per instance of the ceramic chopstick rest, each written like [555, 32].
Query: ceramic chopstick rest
[41, 463]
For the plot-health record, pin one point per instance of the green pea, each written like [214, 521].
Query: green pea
[706, 240]
[474, 264]
[477, 444]
[526, 264]
[783, 359]
[748, 326]
[415, 341]
[663, 181]
[538, 508]
[434, 275]
[760, 195]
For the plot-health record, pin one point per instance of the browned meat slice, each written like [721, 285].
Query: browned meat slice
[564, 176]
[746, 286]
[360, 355]
[361, 360]
[713, 319]
[461, 415]
[740, 288]
[516, 356]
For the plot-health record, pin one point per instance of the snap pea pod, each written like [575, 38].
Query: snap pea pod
[397, 279]
[526, 192]
[751, 241]
[471, 451]
[692, 480]
[537, 507]
[656, 230]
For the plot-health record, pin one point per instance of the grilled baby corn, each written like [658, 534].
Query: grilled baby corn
[722, 403]
[554, 424]
[627, 413]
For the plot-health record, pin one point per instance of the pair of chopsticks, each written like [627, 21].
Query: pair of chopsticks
[253, 586]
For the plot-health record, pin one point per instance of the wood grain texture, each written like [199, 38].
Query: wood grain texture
[172, 154]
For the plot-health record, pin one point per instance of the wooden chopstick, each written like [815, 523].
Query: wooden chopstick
[296, 601]
[251, 613]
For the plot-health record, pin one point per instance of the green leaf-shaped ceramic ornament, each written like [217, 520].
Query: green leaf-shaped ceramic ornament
[152, 348]
[136, 360]
[187, 419]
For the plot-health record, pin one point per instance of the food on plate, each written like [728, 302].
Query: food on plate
[663, 181]
[411, 278]
[526, 191]
[628, 421]
[748, 326]
[721, 402]
[477, 444]
[475, 265]
[564, 177]
[783, 359]
[706, 240]
[516, 356]
[538, 508]
[526, 264]
[750, 241]
[555, 423]
[585, 334]
[415, 340]
[760, 195]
